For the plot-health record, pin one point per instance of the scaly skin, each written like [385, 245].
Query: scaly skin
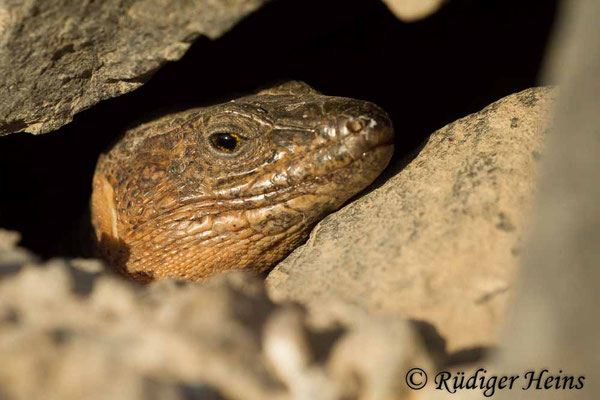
[170, 201]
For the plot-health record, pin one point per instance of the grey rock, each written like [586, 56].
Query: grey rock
[440, 241]
[71, 330]
[555, 320]
[11, 256]
[59, 57]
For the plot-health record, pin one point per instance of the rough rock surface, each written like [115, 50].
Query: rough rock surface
[411, 10]
[555, 323]
[440, 241]
[58, 57]
[69, 330]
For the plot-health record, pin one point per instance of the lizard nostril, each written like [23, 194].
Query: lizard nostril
[354, 125]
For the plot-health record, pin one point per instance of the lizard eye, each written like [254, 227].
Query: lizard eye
[223, 141]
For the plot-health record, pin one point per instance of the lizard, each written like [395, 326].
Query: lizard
[232, 186]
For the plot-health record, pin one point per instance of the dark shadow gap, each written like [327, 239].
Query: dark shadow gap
[425, 74]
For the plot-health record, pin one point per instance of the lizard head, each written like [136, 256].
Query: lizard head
[236, 185]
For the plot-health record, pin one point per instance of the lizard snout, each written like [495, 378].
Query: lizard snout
[356, 119]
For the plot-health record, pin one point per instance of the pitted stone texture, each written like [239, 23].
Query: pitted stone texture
[58, 57]
[440, 241]
[69, 330]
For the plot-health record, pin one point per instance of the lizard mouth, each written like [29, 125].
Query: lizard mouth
[335, 158]
[344, 155]
[320, 183]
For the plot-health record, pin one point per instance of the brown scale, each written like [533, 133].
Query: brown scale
[233, 186]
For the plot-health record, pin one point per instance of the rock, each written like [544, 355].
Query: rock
[440, 241]
[555, 320]
[58, 57]
[11, 256]
[412, 10]
[70, 330]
